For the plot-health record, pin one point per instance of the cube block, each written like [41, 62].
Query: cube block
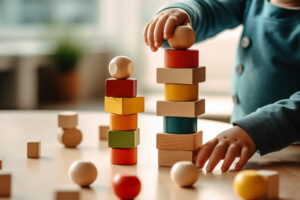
[168, 158]
[33, 149]
[181, 58]
[180, 125]
[124, 106]
[181, 92]
[124, 139]
[67, 194]
[5, 184]
[272, 179]
[124, 156]
[103, 132]
[123, 122]
[121, 87]
[67, 119]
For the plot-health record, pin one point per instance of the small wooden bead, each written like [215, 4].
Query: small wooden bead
[70, 138]
[183, 38]
[83, 173]
[121, 67]
[184, 173]
[67, 119]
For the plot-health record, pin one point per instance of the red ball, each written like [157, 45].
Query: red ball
[126, 186]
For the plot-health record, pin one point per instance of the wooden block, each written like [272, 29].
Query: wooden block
[181, 75]
[123, 122]
[103, 132]
[180, 125]
[180, 109]
[272, 178]
[70, 138]
[124, 106]
[121, 67]
[124, 156]
[182, 38]
[121, 87]
[1, 164]
[33, 149]
[179, 142]
[67, 119]
[124, 139]
[181, 92]
[5, 184]
[181, 58]
[168, 158]
[67, 194]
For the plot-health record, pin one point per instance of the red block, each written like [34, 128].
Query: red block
[124, 156]
[121, 87]
[181, 58]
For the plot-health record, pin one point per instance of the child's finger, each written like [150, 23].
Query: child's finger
[146, 33]
[204, 152]
[217, 155]
[245, 155]
[170, 27]
[150, 34]
[231, 154]
[159, 29]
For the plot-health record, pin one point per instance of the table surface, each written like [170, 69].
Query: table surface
[39, 178]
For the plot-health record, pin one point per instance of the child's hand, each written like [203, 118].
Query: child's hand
[232, 143]
[162, 26]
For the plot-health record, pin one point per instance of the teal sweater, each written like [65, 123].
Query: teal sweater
[266, 85]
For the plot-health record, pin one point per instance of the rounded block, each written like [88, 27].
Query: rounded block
[180, 92]
[121, 88]
[124, 156]
[67, 119]
[180, 125]
[121, 67]
[183, 37]
[70, 138]
[83, 173]
[184, 173]
[126, 186]
[181, 58]
[123, 122]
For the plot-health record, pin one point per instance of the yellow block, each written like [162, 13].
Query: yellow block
[180, 92]
[124, 106]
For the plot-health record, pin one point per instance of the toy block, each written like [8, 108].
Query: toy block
[180, 125]
[182, 38]
[168, 158]
[5, 184]
[124, 156]
[33, 149]
[1, 164]
[103, 132]
[181, 58]
[181, 92]
[180, 109]
[123, 122]
[67, 119]
[181, 75]
[272, 179]
[124, 139]
[121, 87]
[70, 138]
[67, 194]
[121, 67]
[124, 106]
[179, 142]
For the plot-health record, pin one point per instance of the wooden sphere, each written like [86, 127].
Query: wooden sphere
[121, 67]
[182, 38]
[83, 173]
[70, 138]
[126, 186]
[184, 173]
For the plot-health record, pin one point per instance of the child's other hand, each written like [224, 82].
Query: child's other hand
[232, 143]
[162, 26]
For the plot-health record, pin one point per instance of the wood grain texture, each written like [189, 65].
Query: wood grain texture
[167, 158]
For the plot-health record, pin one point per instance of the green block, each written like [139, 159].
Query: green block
[180, 125]
[124, 139]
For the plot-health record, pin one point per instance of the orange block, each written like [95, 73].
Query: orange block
[181, 58]
[123, 122]
[124, 156]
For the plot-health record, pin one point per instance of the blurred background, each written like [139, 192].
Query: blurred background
[54, 54]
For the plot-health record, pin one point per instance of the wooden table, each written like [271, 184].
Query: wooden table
[38, 178]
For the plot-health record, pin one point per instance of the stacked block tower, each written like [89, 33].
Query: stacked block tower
[181, 75]
[122, 102]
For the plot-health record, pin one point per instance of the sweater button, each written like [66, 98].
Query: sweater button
[239, 69]
[235, 99]
[245, 42]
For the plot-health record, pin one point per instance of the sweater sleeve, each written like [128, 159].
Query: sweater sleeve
[274, 126]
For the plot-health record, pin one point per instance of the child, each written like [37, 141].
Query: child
[266, 90]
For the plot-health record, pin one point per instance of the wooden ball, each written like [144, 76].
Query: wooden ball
[184, 173]
[67, 119]
[126, 186]
[83, 173]
[121, 67]
[70, 138]
[183, 38]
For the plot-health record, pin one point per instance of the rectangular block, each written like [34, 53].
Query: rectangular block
[1, 163]
[179, 142]
[168, 158]
[124, 106]
[33, 149]
[121, 87]
[67, 194]
[181, 92]
[180, 125]
[124, 139]
[5, 184]
[272, 178]
[103, 132]
[123, 122]
[181, 75]
[180, 109]
[67, 119]
[124, 156]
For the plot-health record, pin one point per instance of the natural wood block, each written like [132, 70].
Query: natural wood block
[272, 179]
[180, 125]
[103, 132]
[70, 138]
[1, 164]
[121, 67]
[124, 106]
[168, 158]
[121, 87]
[67, 119]
[182, 38]
[181, 75]
[33, 149]
[5, 184]
[181, 92]
[124, 156]
[181, 58]
[67, 194]
[180, 109]
[179, 142]
[124, 139]
[123, 122]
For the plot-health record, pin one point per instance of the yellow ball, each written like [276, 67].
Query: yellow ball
[249, 184]
[83, 173]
